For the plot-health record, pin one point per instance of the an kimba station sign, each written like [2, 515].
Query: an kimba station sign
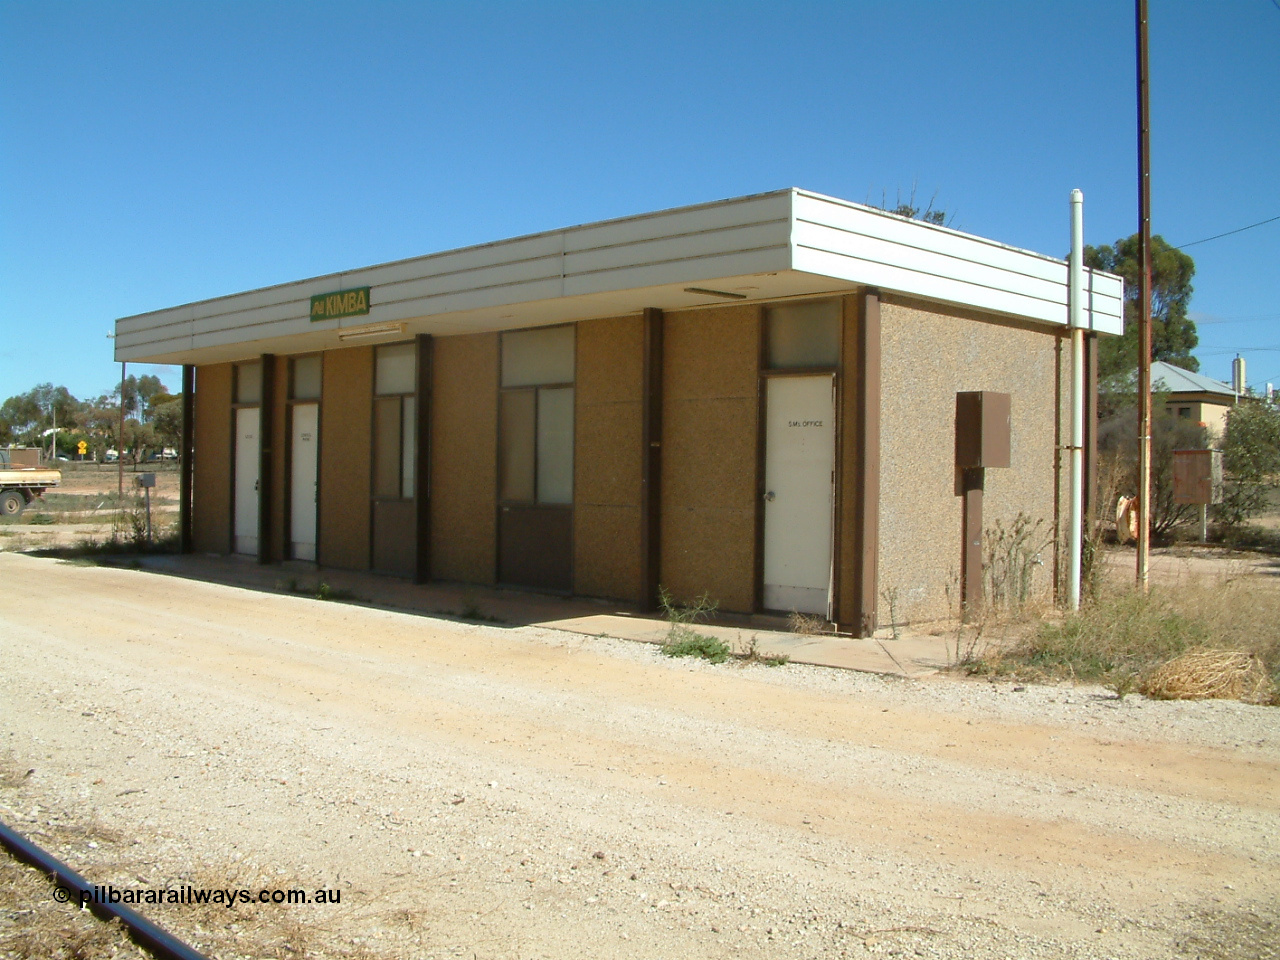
[340, 303]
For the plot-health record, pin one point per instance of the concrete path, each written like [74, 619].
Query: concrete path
[911, 655]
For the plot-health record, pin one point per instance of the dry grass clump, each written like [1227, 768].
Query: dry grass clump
[1210, 674]
[33, 926]
[1198, 635]
[807, 624]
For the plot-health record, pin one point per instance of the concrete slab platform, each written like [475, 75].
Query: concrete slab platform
[911, 655]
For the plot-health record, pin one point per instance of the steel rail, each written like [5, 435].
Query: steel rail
[161, 944]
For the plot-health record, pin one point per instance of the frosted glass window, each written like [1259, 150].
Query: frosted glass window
[408, 458]
[249, 382]
[396, 369]
[386, 448]
[517, 431]
[555, 445]
[533, 357]
[803, 334]
[306, 378]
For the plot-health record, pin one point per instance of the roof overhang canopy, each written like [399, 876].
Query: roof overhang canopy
[790, 243]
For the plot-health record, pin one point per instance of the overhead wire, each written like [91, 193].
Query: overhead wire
[1183, 246]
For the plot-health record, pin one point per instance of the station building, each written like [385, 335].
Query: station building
[786, 401]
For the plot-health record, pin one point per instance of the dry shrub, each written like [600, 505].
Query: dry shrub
[1210, 675]
[1123, 637]
[807, 624]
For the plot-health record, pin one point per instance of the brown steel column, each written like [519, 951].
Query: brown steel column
[971, 557]
[1090, 431]
[866, 461]
[651, 476]
[266, 434]
[422, 469]
[185, 463]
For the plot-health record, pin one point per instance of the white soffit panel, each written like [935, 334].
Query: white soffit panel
[767, 246]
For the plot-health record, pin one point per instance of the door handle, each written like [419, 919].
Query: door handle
[770, 496]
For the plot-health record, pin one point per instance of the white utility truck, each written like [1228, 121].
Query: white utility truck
[22, 480]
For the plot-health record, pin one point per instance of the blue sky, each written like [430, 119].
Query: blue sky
[152, 154]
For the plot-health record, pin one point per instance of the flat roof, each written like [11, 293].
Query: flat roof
[768, 246]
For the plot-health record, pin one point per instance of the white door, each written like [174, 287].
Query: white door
[246, 491]
[798, 470]
[302, 496]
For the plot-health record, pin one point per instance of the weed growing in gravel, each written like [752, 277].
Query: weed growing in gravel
[698, 645]
[326, 592]
[753, 653]
[682, 640]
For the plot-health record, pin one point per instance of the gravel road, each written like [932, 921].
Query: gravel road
[484, 792]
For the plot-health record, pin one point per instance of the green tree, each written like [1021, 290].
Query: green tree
[1118, 444]
[25, 417]
[20, 418]
[1250, 460]
[166, 420]
[140, 395]
[1173, 333]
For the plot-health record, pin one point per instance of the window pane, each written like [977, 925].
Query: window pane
[516, 443]
[530, 357]
[555, 445]
[386, 448]
[306, 378]
[248, 383]
[804, 334]
[409, 435]
[396, 369]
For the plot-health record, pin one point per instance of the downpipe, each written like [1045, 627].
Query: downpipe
[1075, 320]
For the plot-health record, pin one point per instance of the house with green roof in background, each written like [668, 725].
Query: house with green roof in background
[1194, 397]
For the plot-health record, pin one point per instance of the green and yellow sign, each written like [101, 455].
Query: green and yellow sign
[340, 303]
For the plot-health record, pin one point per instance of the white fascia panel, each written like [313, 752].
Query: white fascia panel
[724, 214]
[871, 222]
[707, 271]
[689, 246]
[926, 286]
[808, 243]
[922, 260]
[867, 246]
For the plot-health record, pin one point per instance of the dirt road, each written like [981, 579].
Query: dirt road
[519, 793]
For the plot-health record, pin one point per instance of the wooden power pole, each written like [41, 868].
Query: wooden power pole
[1144, 317]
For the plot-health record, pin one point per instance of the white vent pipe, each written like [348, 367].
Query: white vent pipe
[1075, 319]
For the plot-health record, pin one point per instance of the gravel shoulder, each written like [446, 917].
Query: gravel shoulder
[493, 792]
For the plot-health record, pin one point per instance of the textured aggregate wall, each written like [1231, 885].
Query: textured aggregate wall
[464, 458]
[930, 354]
[710, 425]
[608, 459]
[211, 481]
[345, 418]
